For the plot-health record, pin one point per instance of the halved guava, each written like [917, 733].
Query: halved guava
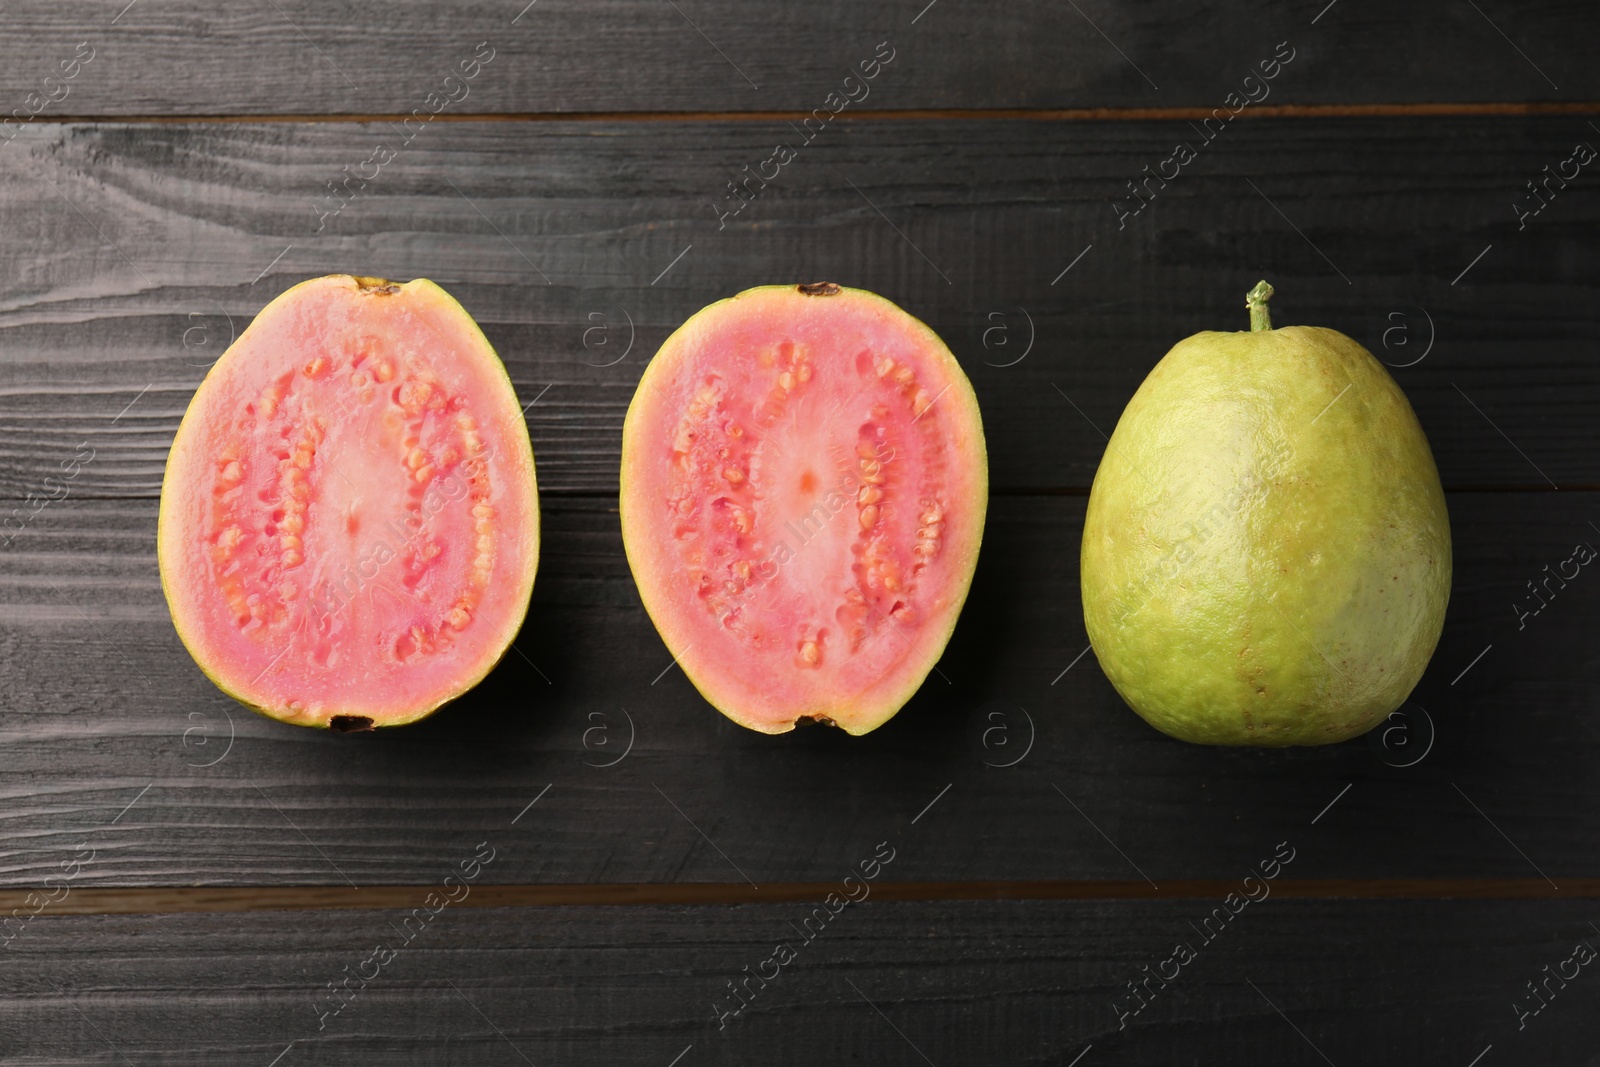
[804, 484]
[349, 521]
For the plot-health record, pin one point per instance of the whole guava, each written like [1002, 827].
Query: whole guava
[1266, 555]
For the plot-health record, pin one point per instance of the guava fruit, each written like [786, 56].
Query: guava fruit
[349, 521]
[1266, 555]
[804, 483]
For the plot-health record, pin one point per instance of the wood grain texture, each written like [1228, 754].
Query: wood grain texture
[1048, 845]
[214, 899]
[1019, 983]
[115, 742]
[137, 252]
[299, 57]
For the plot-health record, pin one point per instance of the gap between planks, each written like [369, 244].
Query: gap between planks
[181, 900]
[1071, 114]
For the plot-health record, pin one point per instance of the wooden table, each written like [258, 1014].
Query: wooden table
[213, 872]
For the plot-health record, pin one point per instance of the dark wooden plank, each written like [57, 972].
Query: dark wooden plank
[1283, 982]
[298, 57]
[137, 251]
[146, 900]
[104, 711]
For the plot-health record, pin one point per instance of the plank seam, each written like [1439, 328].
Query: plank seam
[1075, 114]
[199, 899]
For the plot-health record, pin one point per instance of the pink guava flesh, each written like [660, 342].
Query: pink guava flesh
[803, 493]
[349, 521]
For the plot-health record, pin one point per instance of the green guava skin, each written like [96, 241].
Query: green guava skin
[1266, 561]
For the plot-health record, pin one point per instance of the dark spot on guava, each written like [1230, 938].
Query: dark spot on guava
[819, 289]
[814, 720]
[349, 724]
[379, 286]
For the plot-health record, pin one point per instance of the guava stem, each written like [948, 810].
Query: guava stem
[1256, 300]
